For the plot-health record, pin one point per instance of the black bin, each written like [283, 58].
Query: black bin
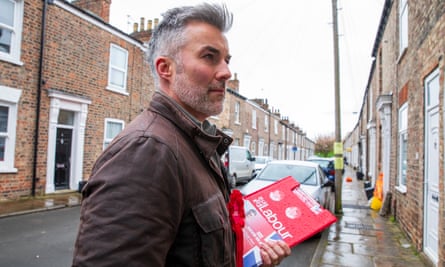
[81, 185]
[369, 192]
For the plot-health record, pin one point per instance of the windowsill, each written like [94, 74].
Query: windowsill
[8, 170]
[401, 189]
[11, 60]
[109, 88]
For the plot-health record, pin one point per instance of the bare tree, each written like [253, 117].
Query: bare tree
[324, 145]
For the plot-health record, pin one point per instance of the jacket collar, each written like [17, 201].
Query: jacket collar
[207, 144]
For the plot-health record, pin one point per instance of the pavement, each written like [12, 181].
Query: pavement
[359, 238]
[39, 203]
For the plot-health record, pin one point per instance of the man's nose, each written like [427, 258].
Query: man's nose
[224, 72]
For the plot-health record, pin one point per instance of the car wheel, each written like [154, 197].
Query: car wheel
[232, 180]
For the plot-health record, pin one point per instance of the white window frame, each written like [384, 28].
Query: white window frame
[124, 69]
[403, 147]
[403, 26]
[9, 97]
[253, 119]
[107, 139]
[16, 34]
[237, 112]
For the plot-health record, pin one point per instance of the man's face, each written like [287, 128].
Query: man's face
[202, 71]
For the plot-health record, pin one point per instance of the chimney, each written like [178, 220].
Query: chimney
[100, 8]
[141, 33]
[234, 84]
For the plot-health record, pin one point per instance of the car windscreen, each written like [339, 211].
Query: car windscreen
[303, 174]
[322, 163]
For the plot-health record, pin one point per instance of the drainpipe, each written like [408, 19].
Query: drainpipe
[39, 95]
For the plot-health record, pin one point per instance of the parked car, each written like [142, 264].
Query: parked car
[260, 162]
[327, 164]
[309, 174]
[240, 165]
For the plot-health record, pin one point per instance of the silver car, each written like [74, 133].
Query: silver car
[309, 174]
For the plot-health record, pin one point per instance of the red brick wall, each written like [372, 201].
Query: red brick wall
[405, 74]
[76, 62]
[25, 78]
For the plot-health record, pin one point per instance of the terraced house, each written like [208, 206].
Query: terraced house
[400, 133]
[69, 82]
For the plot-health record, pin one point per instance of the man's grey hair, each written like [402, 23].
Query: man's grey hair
[168, 37]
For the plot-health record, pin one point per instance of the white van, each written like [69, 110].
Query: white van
[240, 165]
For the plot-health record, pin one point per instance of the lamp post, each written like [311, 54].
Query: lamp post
[338, 145]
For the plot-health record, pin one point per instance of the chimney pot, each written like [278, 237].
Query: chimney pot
[135, 27]
[149, 24]
[142, 24]
[156, 22]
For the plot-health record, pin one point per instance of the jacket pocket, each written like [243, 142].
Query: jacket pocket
[215, 231]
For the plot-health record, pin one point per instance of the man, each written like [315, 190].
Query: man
[157, 196]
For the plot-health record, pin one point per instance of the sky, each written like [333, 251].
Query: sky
[283, 51]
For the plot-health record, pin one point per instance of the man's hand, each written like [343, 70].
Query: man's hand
[273, 252]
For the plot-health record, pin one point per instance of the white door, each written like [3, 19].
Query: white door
[431, 223]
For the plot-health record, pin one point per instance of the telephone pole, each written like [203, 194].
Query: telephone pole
[338, 145]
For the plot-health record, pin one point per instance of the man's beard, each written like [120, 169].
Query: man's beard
[197, 98]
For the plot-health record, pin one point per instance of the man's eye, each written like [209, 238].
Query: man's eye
[209, 56]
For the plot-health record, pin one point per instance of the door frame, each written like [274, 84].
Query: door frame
[429, 109]
[79, 105]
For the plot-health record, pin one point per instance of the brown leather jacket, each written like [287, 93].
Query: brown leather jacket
[156, 197]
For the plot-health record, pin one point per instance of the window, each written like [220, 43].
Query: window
[403, 146]
[266, 124]
[112, 128]
[11, 16]
[253, 119]
[117, 73]
[403, 25]
[9, 98]
[4, 111]
[237, 115]
[275, 127]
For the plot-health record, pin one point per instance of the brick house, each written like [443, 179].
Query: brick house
[254, 125]
[400, 131]
[69, 82]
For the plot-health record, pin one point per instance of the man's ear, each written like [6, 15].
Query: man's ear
[164, 67]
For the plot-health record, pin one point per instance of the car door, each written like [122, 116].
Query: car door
[324, 190]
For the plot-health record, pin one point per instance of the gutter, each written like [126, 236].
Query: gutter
[39, 95]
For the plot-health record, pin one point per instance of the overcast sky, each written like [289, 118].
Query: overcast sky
[282, 50]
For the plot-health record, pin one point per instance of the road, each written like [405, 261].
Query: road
[43, 239]
[46, 239]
